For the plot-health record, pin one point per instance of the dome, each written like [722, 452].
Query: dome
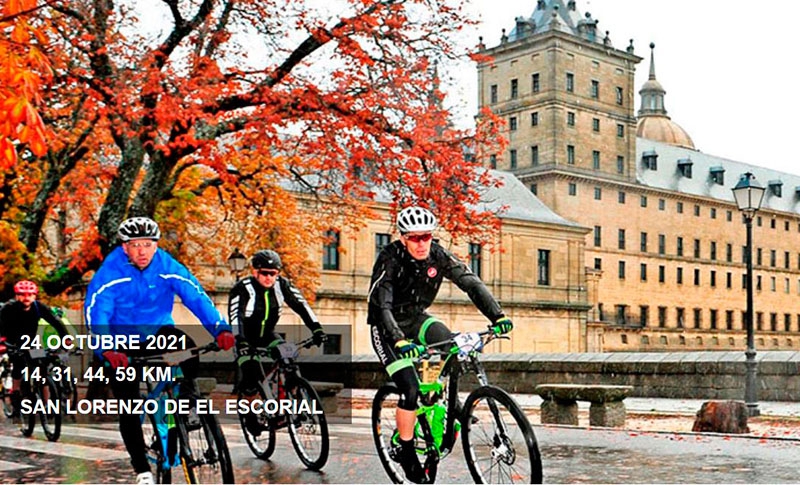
[663, 129]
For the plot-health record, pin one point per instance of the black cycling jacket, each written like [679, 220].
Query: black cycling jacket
[15, 321]
[402, 287]
[255, 310]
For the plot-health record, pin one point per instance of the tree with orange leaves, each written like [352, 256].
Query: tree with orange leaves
[232, 121]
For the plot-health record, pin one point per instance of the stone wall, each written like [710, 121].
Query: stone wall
[690, 375]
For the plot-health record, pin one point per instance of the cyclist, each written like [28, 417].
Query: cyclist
[255, 305]
[133, 293]
[405, 280]
[20, 317]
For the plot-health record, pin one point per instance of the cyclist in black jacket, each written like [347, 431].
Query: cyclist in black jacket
[255, 305]
[405, 280]
[20, 317]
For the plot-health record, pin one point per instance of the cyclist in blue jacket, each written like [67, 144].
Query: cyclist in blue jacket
[132, 293]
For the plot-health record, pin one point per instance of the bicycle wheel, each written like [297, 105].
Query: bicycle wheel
[308, 431]
[499, 444]
[28, 421]
[384, 410]
[259, 432]
[51, 417]
[154, 448]
[206, 460]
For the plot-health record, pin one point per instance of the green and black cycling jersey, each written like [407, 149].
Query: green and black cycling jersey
[16, 321]
[403, 288]
[255, 310]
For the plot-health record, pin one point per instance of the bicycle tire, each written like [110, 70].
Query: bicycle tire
[8, 409]
[263, 444]
[502, 451]
[309, 432]
[51, 422]
[207, 459]
[384, 406]
[28, 422]
[154, 449]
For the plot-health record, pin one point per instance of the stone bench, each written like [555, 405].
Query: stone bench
[329, 393]
[560, 403]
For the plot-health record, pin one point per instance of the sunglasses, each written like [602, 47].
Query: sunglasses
[419, 238]
[268, 272]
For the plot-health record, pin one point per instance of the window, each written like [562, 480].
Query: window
[535, 82]
[712, 318]
[776, 188]
[333, 344]
[596, 160]
[534, 189]
[729, 319]
[697, 210]
[544, 267]
[650, 160]
[513, 155]
[696, 277]
[643, 201]
[514, 89]
[620, 164]
[596, 124]
[786, 259]
[773, 258]
[662, 273]
[619, 95]
[643, 272]
[621, 197]
[535, 118]
[729, 280]
[697, 248]
[679, 207]
[595, 89]
[685, 167]
[662, 317]
[729, 216]
[475, 259]
[598, 265]
[598, 193]
[330, 251]
[662, 204]
[662, 244]
[679, 276]
[570, 82]
[573, 189]
[717, 175]
[729, 252]
[493, 161]
[512, 123]
[773, 322]
[643, 242]
[680, 317]
[621, 239]
[570, 154]
[535, 155]
[644, 315]
[713, 251]
[620, 131]
[493, 94]
[713, 213]
[621, 318]
[597, 236]
[787, 322]
[698, 317]
[622, 270]
[381, 241]
[570, 118]
[679, 246]
[713, 281]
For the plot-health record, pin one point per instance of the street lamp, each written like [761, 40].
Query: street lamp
[237, 262]
[748, 195]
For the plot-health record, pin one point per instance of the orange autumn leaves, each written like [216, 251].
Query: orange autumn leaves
[23, 66]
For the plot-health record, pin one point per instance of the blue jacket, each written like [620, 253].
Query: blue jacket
[124, 300]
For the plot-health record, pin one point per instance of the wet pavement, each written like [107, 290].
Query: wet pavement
[89, 453]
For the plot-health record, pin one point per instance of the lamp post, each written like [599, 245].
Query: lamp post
[748, 195]
[237, 262]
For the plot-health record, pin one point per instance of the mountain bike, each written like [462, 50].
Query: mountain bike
[308, 427]
[498, 440]
[39, 389]
[194, 441]
[61, 373]
[6, 383]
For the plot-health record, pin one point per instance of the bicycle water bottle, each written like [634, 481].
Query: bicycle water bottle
[437, 421]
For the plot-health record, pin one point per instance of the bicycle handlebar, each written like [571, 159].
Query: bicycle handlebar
[179, 356]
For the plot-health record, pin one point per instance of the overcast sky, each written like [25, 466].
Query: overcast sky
[728, 67]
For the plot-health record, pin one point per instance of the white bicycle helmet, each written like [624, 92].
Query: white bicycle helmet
[138, 228]
[416, 219]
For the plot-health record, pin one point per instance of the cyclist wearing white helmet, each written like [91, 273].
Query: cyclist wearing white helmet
[133, 293]
[405, 280]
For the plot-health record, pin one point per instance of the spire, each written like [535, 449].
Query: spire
[652, 93]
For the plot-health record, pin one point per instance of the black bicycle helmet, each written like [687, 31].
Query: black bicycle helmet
[266, 259]
[138, 228]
